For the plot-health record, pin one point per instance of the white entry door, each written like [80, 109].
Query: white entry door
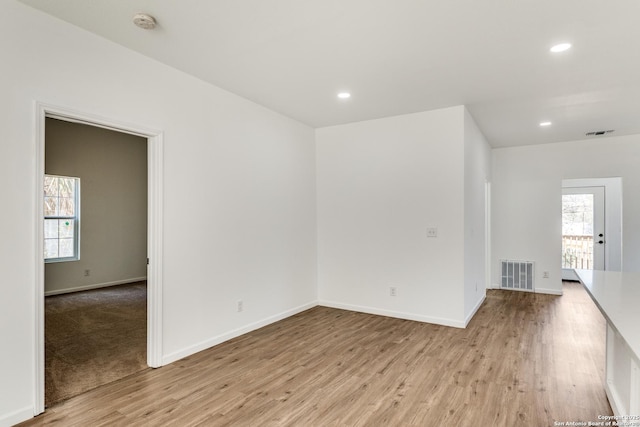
[583, 230]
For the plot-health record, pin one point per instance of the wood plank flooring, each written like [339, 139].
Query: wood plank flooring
[525, 359]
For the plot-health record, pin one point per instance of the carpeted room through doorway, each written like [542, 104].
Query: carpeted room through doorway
[93, 338]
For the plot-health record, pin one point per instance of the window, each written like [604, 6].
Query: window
[61, 218]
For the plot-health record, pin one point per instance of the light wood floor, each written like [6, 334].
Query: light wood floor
[525, 359]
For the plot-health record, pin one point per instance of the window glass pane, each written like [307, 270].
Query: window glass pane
[67, 206]
[577, 214]
[67, 187]
[50, 228]
[50, 186]
[66, 248]
[60, 197]
[51, 248]
[50, 206]
[66, 228]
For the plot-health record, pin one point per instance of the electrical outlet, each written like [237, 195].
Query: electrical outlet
[87, 272]
[239, 306]
[393, 291]
[545, 274]
[432, 232]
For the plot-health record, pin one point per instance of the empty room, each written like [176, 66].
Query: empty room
[358, 213]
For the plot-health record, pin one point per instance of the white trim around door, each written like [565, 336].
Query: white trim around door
[154, 235]
[612, 215]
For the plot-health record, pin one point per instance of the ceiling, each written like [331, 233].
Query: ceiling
[399, 56]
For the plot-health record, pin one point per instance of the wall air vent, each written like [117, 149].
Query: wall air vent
[599, 132]
[517, 275]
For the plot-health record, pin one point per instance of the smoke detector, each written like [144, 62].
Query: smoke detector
[144, 21]
[599, 132]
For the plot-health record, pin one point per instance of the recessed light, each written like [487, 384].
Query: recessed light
[344, 95]
[545, 123]
[560, 47]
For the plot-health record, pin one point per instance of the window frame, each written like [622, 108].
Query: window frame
[75, 218]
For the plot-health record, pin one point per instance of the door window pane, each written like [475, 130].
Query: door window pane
[577, 231]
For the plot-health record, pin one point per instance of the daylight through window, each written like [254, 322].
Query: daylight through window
[61, 218]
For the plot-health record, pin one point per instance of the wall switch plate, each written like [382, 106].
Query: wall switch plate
[432, 232]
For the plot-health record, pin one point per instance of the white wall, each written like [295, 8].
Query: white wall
[112, 167]
[526, 195]
[477, 173]
[239, 190]
[380, 185]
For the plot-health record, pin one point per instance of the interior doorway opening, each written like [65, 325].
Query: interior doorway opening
[95, 257]
[153, 242]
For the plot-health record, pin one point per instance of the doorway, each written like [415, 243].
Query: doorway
[153, 241]
[591, 225]
[583, 237]
[95, 257]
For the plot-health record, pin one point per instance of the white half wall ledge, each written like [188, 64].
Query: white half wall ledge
[204, 345]
[395, 314]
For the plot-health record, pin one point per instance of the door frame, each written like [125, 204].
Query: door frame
[487, 234]
[612, 215]
[154, 233]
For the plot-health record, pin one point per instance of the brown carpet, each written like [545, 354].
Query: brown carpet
[93, 338]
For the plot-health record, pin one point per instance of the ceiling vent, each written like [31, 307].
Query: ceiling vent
[599, 132]
[144, 21]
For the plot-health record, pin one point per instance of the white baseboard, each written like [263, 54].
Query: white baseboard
[16, 417]
[94, 286]
[395, 314]
[474, 311]
[548, 291]
[538, 290]
[170, 358]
